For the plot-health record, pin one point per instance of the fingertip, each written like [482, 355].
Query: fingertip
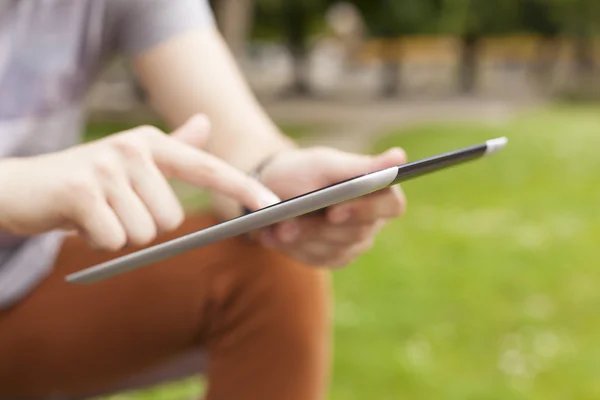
[256, 202]
[393, 156]
[268, 199]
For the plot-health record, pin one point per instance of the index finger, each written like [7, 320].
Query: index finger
[202, 169]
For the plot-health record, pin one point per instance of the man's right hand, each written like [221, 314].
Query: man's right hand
[114, 191]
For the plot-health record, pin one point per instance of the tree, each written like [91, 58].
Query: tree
[538, 17]
[471, 20]
[387, 20]
[576, 20]
[579, 19]
[295, 17]
[293, 22]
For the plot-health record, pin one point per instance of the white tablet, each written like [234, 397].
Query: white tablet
[297, 206]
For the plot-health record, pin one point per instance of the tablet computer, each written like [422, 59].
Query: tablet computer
[294, 207]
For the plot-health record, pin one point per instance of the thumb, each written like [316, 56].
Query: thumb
[348, 166]
[194, 132]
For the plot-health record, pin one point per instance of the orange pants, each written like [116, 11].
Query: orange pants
[255, 322]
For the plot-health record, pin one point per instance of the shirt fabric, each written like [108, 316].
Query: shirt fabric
[50, 52]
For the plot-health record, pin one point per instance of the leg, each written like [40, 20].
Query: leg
[262, 319]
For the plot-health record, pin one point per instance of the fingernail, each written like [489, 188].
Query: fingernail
[268, 199]
[289, 232]
[340, 215]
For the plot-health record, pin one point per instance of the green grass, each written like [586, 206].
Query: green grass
[489, 287]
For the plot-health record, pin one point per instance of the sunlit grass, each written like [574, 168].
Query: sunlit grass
[488, 288]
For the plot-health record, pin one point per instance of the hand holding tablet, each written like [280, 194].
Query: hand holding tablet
[294, 207]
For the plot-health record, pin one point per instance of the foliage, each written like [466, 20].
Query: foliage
[576, 17]
[391, 18]
[478, 17]
[270, 18]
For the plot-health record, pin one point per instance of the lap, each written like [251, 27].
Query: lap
[83, 338]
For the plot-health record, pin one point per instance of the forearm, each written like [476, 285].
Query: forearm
[5, 206]
[202, 77]
[7, 202]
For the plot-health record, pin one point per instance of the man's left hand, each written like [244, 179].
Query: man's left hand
[344, 231]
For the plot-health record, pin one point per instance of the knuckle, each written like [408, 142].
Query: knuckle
[130, 148]
[148, 131]
[106, 165]
[80, 190]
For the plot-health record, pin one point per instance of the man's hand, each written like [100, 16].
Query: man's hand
[115, 191]
[346, 230]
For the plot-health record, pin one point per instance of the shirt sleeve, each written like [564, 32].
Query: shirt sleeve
[146, 23]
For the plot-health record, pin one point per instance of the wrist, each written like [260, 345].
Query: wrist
[258, 171]
[253, 164]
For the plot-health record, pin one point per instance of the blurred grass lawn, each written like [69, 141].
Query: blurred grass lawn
[489, 287]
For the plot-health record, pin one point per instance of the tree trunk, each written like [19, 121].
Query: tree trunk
[584, 55]
[584, 49]
[234, 18]
[295, 26]
[584, 65]
[391, 81]
[469, 63]
[300, 85]
[544, 65]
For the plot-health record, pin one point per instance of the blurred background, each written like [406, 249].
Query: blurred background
[489, 287]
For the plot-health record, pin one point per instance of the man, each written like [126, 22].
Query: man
[253, 315]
